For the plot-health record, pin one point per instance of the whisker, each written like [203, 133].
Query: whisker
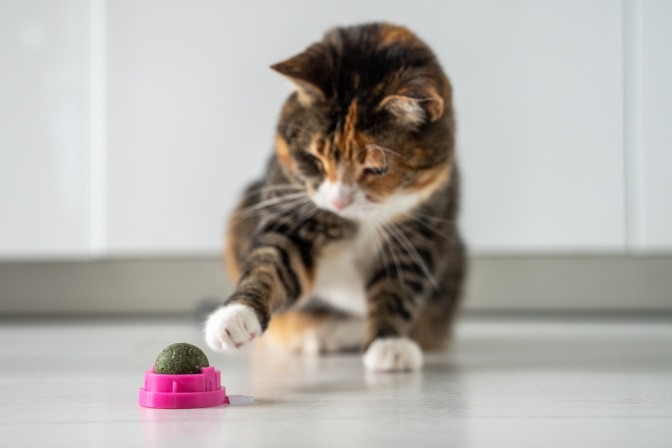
[285, 217]
[434, 218]
[305, 130]
[382, 152]
[312, 209]
[270, 203]
[413, 253]
[290, 205]
[387, 150]
[375, 235]
[424, 224]
[393, 255]
[302, 199]
[271, 189]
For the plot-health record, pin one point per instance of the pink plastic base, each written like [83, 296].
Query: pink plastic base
[198, 390]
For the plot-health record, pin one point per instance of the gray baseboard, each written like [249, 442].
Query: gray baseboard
[179, 286]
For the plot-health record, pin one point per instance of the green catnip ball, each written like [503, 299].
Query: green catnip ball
[180, 358]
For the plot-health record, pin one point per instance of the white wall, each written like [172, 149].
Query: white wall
[44, 154]
[539, 91]
[167, 136]
[650, 125]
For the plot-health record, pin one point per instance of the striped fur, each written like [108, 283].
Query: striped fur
[373, 112]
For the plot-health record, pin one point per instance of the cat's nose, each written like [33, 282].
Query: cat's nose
[339, 195]
[340, 204]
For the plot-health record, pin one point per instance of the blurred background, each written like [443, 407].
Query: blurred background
[128, 129]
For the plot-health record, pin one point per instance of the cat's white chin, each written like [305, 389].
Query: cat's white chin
[361, 209]
[393, 355]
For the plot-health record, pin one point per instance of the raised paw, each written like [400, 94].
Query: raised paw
[393, 355]
[231, 327]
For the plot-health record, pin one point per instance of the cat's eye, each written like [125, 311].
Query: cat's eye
[317, 162]
[310, 163]
[375, 171]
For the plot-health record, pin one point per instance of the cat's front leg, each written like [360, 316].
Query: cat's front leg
[396, 293]
[276, 271]
[390, 349]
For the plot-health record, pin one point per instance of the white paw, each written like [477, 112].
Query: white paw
[393, 355]
[231, 326]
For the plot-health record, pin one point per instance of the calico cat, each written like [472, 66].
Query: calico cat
[350, 240]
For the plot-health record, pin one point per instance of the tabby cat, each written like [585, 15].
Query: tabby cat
[350, 239]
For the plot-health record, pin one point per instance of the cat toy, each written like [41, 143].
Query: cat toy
[182, 378]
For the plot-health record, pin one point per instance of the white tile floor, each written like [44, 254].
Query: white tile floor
[506, 382]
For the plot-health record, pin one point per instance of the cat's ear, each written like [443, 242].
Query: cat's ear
[308, 71]
[415, 104]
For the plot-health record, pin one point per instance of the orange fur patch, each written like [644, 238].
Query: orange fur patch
[386, 185]
[320, 149]
[432, 178]
[349, 133]
[392, 34]
[285, 328]
[373, 157]
[434, 104]
[282, 149]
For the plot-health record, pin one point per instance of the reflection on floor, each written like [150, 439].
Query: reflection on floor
[504, 382]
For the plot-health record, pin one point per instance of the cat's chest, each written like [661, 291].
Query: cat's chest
[339, 278]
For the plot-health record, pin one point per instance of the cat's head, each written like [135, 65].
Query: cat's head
[369, 130]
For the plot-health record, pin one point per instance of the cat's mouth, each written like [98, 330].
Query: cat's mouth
[343, 200]
[349, 210]
[356, 212]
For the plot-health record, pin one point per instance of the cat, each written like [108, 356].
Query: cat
[350, 240]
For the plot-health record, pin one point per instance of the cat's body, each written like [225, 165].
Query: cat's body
[350, 240]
